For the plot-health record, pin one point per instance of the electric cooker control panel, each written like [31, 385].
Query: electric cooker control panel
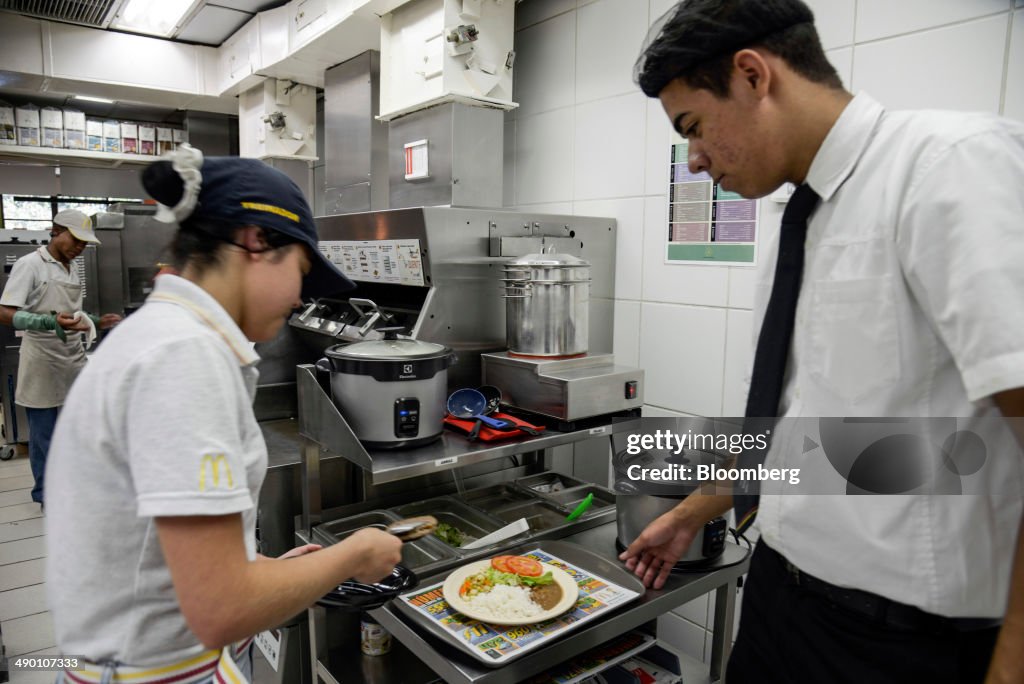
[407, 417]
[714, 537]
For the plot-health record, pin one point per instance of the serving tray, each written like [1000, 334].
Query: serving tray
[604, 587]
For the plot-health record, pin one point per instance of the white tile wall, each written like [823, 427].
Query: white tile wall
[549, 208]
[695, 611]
[677, 283]
[658, 144]
[545, 69]
[884, 18]
[682, 348]
[683, 635]
[834, 20]
[956, 67]
[739, 359]
[1014, 103]
[609, 36]
[741, 287]
[659, 412]
[626, 343]
[660, 7]
[544, 170]
[629, 214]
[609, 147]
[842, 60]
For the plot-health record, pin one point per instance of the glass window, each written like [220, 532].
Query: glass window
[21, 212]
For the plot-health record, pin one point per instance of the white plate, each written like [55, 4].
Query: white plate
[570, 592]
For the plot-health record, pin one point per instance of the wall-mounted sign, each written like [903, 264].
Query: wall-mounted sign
[706, 223]
[416, 160]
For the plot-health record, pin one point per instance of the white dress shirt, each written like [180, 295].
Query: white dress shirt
[912, 304]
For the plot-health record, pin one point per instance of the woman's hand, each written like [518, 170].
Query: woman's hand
[378, 553]
[300, 551]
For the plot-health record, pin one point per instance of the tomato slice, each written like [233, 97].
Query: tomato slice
[500, 563]
[527, 567]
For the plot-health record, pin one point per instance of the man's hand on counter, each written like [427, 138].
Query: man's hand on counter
[654, 553]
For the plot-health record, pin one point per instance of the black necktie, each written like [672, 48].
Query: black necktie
[773, 346]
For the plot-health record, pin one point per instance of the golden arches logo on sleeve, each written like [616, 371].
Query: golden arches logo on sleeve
[211, 466]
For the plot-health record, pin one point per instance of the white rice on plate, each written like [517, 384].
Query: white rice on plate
[505, 603]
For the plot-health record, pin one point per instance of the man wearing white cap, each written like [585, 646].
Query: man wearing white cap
[43, 297]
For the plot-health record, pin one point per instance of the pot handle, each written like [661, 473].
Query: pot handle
[323, 365]
[625, 488]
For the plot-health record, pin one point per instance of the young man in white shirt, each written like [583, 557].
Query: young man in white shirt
[899, 313]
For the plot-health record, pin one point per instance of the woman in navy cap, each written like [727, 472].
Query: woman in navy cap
[157, 462]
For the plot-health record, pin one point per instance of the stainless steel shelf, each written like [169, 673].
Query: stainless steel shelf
[455, 667]
[87, 157]
[322, 423]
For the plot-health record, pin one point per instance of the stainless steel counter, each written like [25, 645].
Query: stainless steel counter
[455, 667]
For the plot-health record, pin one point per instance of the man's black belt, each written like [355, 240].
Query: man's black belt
[878, 608]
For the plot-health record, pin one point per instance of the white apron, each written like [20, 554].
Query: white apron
[47, 366]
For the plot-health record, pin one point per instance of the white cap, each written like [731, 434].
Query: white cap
[78, 223]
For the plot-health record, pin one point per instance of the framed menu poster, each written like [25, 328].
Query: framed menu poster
[707, 224]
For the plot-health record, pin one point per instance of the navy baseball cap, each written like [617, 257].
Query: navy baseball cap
[243, 192]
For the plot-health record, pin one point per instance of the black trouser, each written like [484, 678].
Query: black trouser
[794, 632]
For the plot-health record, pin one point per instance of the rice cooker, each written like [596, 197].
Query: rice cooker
[391, 391]
[639, 499]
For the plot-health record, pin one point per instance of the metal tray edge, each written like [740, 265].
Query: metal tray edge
[567, 551]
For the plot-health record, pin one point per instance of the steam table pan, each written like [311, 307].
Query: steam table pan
[474, 522]
[421, 556]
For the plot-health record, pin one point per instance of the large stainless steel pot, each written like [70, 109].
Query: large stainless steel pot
[392, 392]
[639, 502]
[547, 301]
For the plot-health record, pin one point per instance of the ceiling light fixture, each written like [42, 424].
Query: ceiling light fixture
[155, 17]
[90, 98]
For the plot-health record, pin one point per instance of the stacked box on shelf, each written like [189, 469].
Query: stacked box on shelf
[74, 129]
[147, 139]
[26, 120]
[180, 136]
[51, 127]
[7, 126]
[129, 137]
[94, 135]
[164, 140]
[111, 136]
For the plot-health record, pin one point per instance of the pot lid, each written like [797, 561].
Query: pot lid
[388, 350]
[548, 257]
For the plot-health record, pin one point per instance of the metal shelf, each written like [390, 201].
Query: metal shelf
[321, 422]
[60, 154]
[456, 667]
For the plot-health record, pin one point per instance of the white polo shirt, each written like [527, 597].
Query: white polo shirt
[160, 423]
[29, 276]
[912, 304]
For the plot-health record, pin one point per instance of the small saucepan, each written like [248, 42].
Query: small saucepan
[468, 404]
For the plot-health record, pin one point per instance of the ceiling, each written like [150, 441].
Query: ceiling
[210, 22]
